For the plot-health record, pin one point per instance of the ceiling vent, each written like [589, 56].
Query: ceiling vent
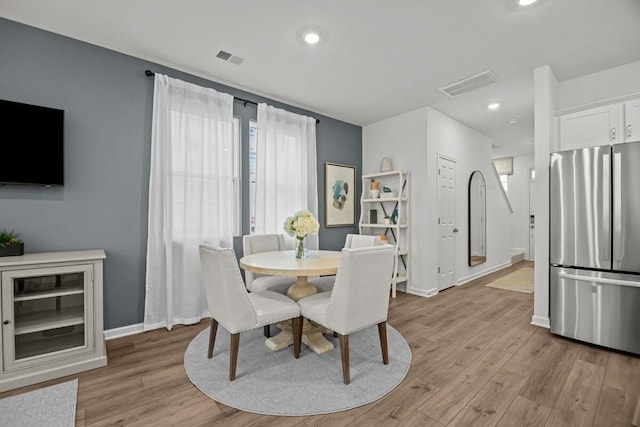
[470, 83]
[229, 57]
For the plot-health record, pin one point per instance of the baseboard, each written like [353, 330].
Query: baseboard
[540, 321]
[423, 293]
[474, 276]
[123, 331]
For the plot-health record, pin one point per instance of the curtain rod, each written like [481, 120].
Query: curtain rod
[150, 73]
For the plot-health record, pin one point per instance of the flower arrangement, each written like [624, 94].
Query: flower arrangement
[301, 225]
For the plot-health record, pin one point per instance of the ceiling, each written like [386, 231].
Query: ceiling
[377, 58]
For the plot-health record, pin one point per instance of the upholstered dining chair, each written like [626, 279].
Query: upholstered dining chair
[236, 309]
[359, 299]
[352, 241]
[256, 243]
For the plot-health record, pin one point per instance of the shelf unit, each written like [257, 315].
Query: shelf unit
[51, 309]
[396, 233]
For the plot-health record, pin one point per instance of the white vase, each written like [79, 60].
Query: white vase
[386, 165]
[374, 194]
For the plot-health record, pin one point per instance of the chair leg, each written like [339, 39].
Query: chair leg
[267, 331]
[233, 355]
[382, 331]
[296, 327]
[212, 337]
[344, 351]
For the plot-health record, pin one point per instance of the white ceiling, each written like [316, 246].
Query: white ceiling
[378, 58]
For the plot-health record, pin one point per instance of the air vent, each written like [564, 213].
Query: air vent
[229, 57]
[470, 83]
[223, 55]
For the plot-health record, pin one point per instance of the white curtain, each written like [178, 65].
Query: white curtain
[190, 187]
[286, 169]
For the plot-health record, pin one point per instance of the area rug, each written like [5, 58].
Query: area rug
[53, 406]
[275, 383]
[518, 281]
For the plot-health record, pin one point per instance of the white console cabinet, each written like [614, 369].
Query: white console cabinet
[51, 315]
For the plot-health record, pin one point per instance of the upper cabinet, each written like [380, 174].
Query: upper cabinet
[632, 120]
[609, 124]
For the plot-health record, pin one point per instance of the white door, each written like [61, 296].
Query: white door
[446, 222]
[532, 212]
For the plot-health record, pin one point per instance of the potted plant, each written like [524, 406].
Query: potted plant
[387, 219]
[10, 244]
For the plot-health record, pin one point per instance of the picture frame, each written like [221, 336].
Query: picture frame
[339, 195]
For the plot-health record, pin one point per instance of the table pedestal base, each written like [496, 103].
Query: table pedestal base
[311, 333]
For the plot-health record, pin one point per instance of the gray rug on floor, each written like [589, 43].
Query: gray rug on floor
[275, 383]
[53, 406]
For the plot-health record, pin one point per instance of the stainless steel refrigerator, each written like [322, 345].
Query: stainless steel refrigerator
[594, 286]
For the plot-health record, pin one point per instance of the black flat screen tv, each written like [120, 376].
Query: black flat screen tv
[31, 144]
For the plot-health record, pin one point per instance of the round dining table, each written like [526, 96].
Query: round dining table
[284, 263]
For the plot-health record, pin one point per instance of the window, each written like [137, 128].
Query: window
[504, 180]
[253, 139]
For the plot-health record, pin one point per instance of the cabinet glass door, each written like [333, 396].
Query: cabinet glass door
[45, 313]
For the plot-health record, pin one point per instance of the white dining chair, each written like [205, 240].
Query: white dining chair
[359, 299]
[257, 243]
[238, 310]
[352, 241]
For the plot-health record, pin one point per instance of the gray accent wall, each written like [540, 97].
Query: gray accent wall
[107, 101]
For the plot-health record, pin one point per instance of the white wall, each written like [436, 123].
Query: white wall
[403, 139]
[413, 141]
[519, 198]
[601, 86]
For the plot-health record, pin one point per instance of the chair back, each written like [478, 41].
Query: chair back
[256, 243]
[355, 241]
[360, 296]
[227, 296]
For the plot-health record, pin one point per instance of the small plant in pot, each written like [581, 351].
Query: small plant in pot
[10, 244]
[387, 219]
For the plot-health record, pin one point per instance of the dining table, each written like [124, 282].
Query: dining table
[285, 263]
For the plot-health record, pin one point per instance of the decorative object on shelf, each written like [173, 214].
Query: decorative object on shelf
[383, 238]
[375, 185]
[373, 216]
[387, 219]
[386, 165]
[10, 244]
[300, 225]
[340, 191]
[394, 216]
[374, 194]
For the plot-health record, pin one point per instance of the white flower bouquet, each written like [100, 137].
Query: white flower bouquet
[301, 225]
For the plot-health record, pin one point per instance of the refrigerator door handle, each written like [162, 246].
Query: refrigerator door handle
[606, 203]
[602, 280]
[617, 210]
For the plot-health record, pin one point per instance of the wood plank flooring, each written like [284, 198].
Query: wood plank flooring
[477, 361]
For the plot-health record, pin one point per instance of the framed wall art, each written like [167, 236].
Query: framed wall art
[340, 195]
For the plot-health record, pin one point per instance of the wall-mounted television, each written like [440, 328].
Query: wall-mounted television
[31, 144]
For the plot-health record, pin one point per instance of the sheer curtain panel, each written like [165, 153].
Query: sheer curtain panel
[190, 193]
[286, 169]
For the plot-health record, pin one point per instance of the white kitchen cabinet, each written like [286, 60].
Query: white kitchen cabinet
[632, 120]
[589, 128]
[607, 124]
[394, 204]
[52, 312]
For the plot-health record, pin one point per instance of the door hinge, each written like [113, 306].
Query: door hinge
[438, 270]
[438, 220]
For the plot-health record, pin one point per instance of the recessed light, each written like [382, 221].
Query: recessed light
[512, 121]
[311, 37]
[526, 2]
[493, 106]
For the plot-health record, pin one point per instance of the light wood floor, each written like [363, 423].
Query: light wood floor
[476, 361]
